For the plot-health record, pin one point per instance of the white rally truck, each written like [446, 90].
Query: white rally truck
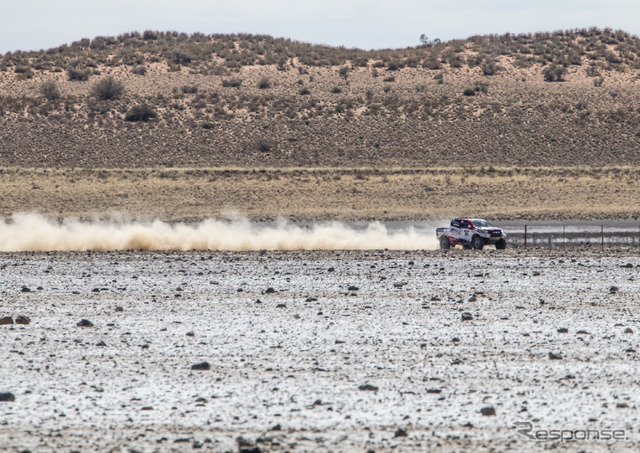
[471, 233]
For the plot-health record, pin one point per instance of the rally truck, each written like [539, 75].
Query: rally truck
[471, 233]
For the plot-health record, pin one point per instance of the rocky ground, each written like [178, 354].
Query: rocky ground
[318, 351]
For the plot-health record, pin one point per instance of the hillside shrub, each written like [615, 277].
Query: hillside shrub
[140, 113]
[264, 83]
[49, 90]
[231, 83]
[76, 71]
[108, 89]
[554, 73]
[139, 69]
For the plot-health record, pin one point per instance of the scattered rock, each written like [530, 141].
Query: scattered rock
[281, 306]
[466, 316]
[562, 330]
[488, 411]
[6, 320]
[628, 265]
[84, 323]
[582, 332]
[245, 446]
[22, 320]
[276, 427]
[331, 269]
[628, 330]
[101, 343]
[190, 333]
[147, 408]
[434, 390]
[613, 289]
[368, 387]
[25, 289]
[554, 356]
[400, 433]
[622, 405]
[7, 397]
[353, 288]
[202, 366]
[119, 309]
[270, 290]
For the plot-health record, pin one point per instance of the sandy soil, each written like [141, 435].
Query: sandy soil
[326, 194]
[293, 339]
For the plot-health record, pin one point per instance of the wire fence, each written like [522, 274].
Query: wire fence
[573, 235]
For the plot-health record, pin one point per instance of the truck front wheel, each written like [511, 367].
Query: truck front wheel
[444, 243]
[478, 243]
[501, 244]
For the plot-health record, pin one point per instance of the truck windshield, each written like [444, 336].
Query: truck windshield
[481, 223]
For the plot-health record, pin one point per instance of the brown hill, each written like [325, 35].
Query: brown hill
[548, 99]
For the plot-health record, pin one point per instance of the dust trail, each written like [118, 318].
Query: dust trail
[33, 232]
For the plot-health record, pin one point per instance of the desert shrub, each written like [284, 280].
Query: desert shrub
[108, 89]
[139, 69]
[394, 66]
[592, 71]
[598, 82]
[489, 68]
[344, 73]
[180, 56]
[469, 92]
[140, 113]
[208, 125]
[149, 35]
[612, 58]
[49, 90]
[231, 83]
[554, 73]
[481, 87]
[389, 79]
[189, 89]
[305, 91]
[360, 62]
[263, 146]
[336, 90]
[76, 71]
[432, 63]
[264, 83]
[282, 64]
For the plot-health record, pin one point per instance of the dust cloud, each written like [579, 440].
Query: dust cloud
[29, 232]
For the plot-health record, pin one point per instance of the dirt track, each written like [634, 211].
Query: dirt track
[286, 369]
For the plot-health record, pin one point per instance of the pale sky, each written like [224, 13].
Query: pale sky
[367, 24]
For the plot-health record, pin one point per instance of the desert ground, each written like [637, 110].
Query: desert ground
[319, 351]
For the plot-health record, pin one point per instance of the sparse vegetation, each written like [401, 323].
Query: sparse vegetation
[320, 84]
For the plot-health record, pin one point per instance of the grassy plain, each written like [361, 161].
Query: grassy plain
[324, 193]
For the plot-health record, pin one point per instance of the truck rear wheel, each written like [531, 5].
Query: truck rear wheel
[478, 243]
[444, 243]
[501, 244]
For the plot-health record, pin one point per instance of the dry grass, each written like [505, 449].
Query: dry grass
[340, 194]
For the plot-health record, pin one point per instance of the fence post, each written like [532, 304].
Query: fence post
[602, 236]
[525, 235]
[563, 229]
